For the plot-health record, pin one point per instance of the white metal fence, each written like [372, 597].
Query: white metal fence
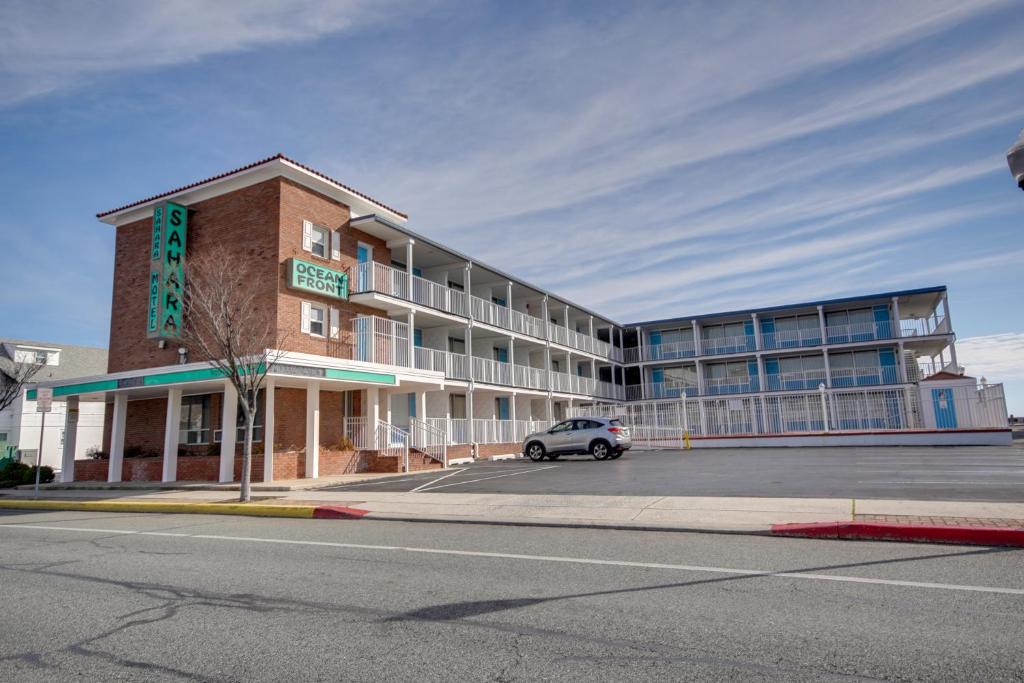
[892, 409]
[429, 440]
[485, 431]
[380, 340]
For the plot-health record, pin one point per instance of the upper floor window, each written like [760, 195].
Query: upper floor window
[317, 318]
[319, 242]
[41, 357]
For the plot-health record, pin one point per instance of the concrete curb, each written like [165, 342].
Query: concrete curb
[244, 509]
[907, 533]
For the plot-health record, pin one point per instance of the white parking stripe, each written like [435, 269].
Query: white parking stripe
[549, 558]
[434, 481]
[498, 476]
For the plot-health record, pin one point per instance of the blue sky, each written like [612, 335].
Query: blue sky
[682, 157]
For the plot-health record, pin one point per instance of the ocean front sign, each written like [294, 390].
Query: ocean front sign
[310, 277]
[166, 271]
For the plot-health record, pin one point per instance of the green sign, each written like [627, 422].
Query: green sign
[167, 271]
[310, 277]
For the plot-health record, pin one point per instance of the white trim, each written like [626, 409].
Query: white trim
[335, 245]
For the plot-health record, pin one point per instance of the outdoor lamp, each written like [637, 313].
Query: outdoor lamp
[1015, 159]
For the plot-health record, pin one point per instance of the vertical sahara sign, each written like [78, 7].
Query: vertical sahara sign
[167, 271]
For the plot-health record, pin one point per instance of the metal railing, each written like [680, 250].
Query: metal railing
[733, 344]
[487, 431]
[393, 442]
[716, 386]
[791, 339]
[893, 409]
[376, 277]
[855, 332]
[453, 365]
[789, 381]
[860, 377]
[920, 327]
[429, 439]
[354, 429]
[379, 340]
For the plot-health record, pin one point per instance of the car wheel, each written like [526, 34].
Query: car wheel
[600, 450]
[535, 451]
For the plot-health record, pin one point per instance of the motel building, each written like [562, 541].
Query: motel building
[399, 353]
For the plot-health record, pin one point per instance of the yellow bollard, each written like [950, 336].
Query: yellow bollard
[686, 440]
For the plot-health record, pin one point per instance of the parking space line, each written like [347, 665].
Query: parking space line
[434, 481]
[498, 476]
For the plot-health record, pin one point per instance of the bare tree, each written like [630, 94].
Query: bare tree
[227, 323]
[13, 378]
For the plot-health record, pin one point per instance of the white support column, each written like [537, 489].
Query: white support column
[508, 294]
[902, 362]
[470, 437]
[228, 431]
[758, 344]
[512, 408]
[410, 320]
[697, 347]
[512, 353]
[467, 280]
[313, 430]
[952, 357]
[700, 377]
[408, 259]
[385, 405]
[821, 325]
[593, 369]
[116, 463]
[171, 426]
[590, 326]
[566, 313]
[421, 405]
[372, 410]
[945, 309]
[828, 370]
[898, 331]
[761, 377]
[67, 463]
[268, 429]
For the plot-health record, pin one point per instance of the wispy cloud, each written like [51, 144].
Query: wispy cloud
[995, 356]
[46, 45]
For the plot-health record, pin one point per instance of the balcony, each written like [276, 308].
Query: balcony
[372, 277]
[922, 327]
[788, 381]
[376, 277]
[717, 386]
[722, 345]
[791, 339]
[659, 390]
[864, 377]
[453, 365]
[379, 340]
[656, 352]
[857, 332]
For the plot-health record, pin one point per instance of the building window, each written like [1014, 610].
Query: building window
[317, 320]
[3, 437]
[194, 426]
[320, 241]
[41, 357]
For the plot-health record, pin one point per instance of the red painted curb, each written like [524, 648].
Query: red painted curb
[916, 533]
[338, 512]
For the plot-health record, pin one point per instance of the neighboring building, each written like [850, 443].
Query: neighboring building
[426, 345]
[20, 423]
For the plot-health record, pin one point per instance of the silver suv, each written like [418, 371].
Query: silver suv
[602, 437]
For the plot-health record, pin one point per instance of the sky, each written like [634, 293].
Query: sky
[645, 160]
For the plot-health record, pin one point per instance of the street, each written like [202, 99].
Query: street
[177, 597]
[981, 473]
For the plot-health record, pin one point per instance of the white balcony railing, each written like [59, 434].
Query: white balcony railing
[716, 386]
[920, 327]
[843, 334]
[379, 340]
[453, 365]
[376, 277]
[860, 377]
[733, 344]
[790, 339]
[486, 431]
[788, 381]
[529, 377]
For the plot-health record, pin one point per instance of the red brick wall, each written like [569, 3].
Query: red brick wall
[91, 470]
[246, 219]
[298, 204]
[289, 419]
[342, 462]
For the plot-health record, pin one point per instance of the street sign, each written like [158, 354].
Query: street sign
[44, 399]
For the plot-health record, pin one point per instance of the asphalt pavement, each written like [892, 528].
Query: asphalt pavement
[168, 597]
[984, 473]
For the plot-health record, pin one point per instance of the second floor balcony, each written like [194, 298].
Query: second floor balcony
[373, 277]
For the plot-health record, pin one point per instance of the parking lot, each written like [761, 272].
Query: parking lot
[966, 473]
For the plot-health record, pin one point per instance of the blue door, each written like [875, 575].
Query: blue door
[500, 355]
[657, 383]
[502, 408]
[771, 371]
[883, 327]
[412, 406]
[752, 383]
[655, 345]
[890, 374]
[417, 337]
[945, 411]
[768, 333]
[363, 277]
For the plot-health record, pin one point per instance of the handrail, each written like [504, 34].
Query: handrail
[429, 440]
[393, 442]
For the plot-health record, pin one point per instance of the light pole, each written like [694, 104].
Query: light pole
[1015, 159]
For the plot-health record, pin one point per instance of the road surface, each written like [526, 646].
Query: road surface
[190, 597]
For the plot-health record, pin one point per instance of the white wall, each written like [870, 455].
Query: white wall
[22, 422]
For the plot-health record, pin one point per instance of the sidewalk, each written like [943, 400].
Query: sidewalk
[781, 516]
